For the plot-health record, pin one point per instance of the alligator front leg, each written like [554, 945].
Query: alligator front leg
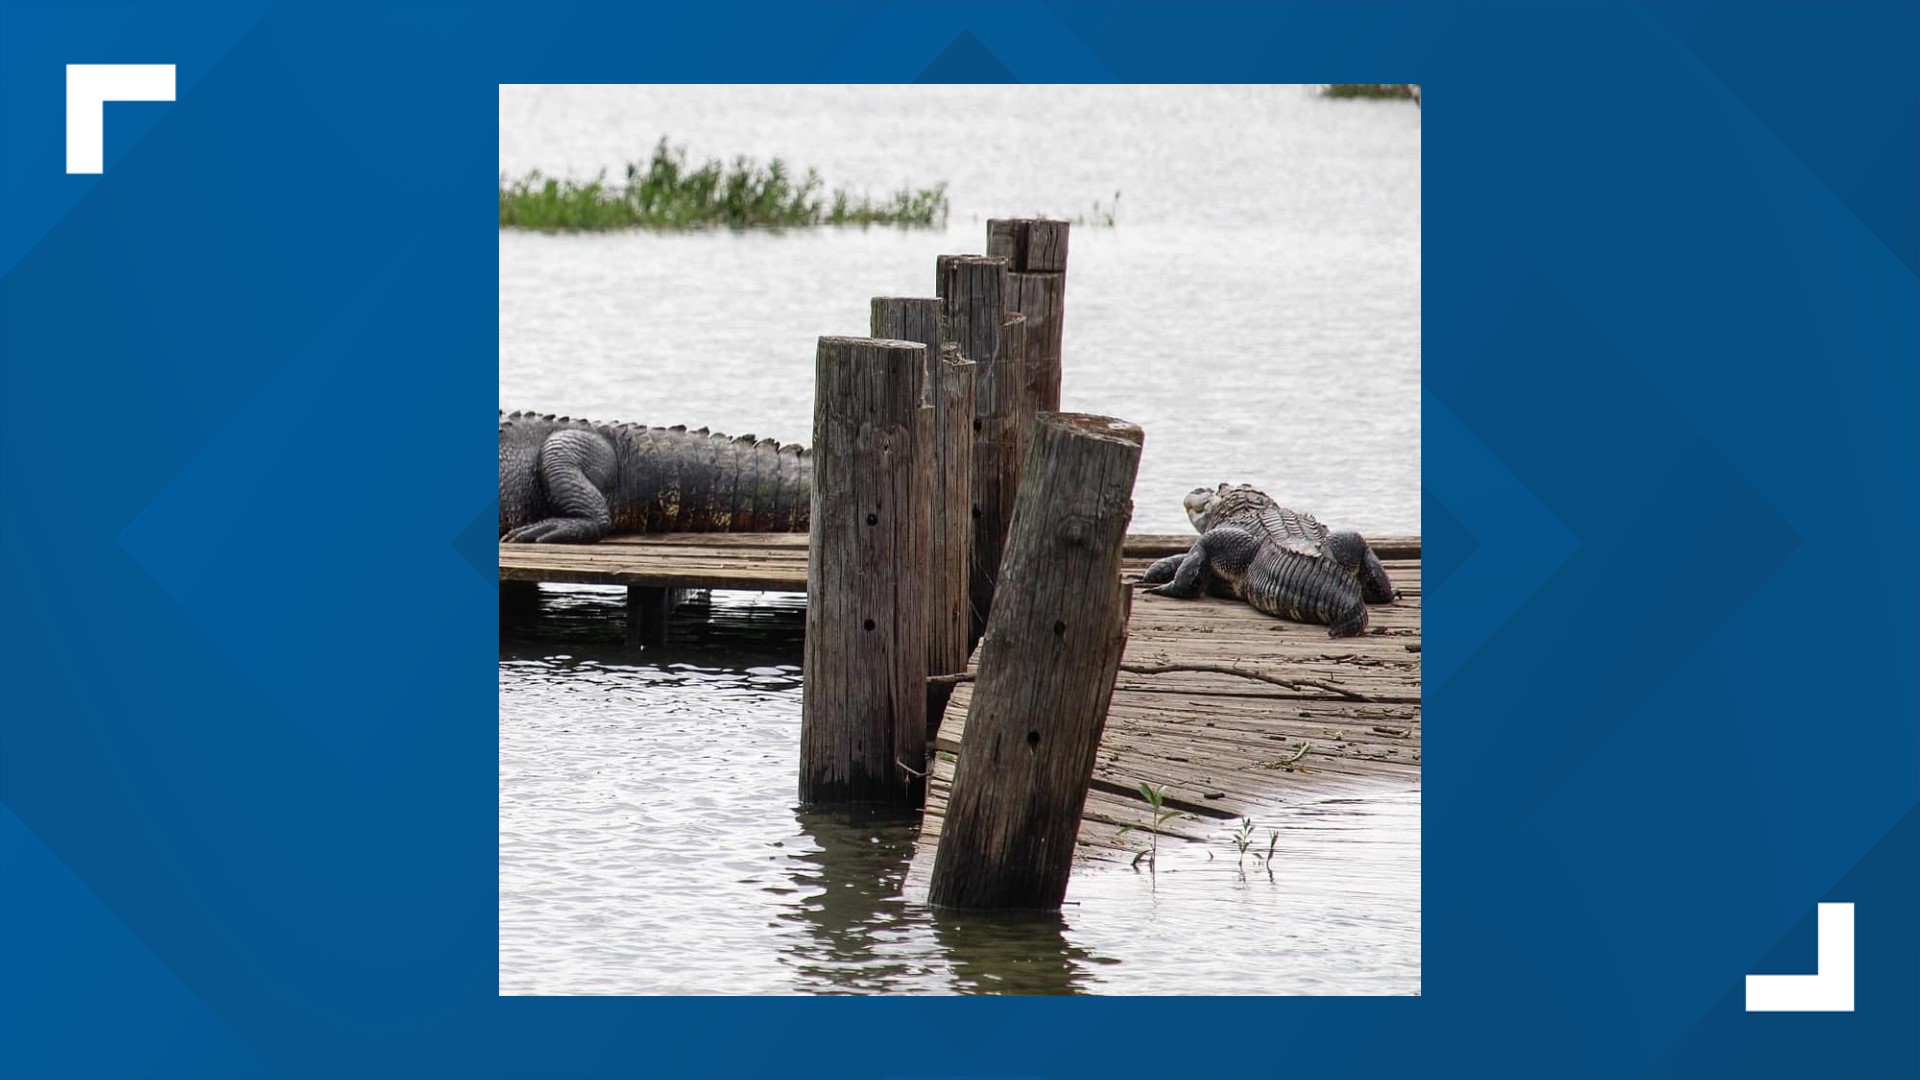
[576, 469]
[1162, 570]
[1191, 574]
[1215, 562]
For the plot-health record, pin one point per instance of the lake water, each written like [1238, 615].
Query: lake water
[1256, 309]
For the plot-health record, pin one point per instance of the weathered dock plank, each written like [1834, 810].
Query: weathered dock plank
[777, 562]
[661, 566]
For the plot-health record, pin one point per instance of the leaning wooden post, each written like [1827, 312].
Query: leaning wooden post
[972, 290]
[1046, 671]
[1036, 254]
[863, 703]
[948, 384]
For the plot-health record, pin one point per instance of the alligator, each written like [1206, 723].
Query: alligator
[1280, 561]
[1249, 508]
[571, 481]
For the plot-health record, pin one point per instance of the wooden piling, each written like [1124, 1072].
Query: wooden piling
[1036, 254]
[972, 291]
[650, 609]
[950, 636]
[863, 725]
[948, 387]
[1046, 671]
[1014, 341]
[647, 612]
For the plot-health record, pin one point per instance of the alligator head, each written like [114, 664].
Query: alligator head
[1201, 503]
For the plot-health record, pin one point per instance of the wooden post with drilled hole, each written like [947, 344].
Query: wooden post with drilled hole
[1036, 254]
[1046, 671]
[973, 291]
[863, 704]
[948, 386]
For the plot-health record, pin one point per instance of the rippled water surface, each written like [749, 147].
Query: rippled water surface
[1257, 311]
[649, 844]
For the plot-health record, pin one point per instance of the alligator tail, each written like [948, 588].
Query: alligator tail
[1305, 589]
[675, 480]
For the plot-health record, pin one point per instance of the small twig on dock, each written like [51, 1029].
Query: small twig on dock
[1289, 763]
[1204, 669]
[1222, 669]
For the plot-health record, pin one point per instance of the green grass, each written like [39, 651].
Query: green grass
[667, 192]
[1390, 91]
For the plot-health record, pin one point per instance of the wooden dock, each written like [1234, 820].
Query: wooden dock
[764, 562]
[1339, 715]
[1224, 745]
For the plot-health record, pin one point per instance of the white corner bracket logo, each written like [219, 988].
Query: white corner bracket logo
[1828, 989]
[89, 88]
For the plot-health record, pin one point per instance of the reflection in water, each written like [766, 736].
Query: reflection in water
[850, 882]
[864, 937]
[740, 623]
[1011, 952]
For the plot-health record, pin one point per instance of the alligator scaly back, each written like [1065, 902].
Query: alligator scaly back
[1249, 508]
[565, 480]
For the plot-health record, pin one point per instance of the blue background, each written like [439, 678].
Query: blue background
[1670, 528]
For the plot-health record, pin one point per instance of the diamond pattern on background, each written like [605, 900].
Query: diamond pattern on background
[1884, 887]
[966, 61]
[479, 543]
[1844, 56]
[1444, 543]
[94, 995]
[1521, 542]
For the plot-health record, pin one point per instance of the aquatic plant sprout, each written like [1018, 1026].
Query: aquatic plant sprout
[1156, 797]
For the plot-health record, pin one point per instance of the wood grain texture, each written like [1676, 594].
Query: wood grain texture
[1036, 254]
[950, 635]
[948, 387]
[973, 289]
[1046, 671]
[863, 704]
[1030, 245]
